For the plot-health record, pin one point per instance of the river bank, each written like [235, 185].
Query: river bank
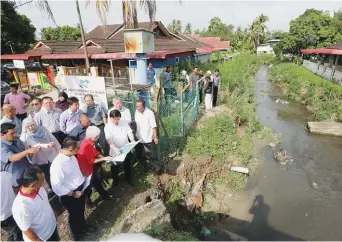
[297, 201]
[321, 97]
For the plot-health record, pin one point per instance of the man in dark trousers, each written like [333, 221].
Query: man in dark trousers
[69, 184]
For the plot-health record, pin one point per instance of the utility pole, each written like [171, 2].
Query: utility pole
[83, 38]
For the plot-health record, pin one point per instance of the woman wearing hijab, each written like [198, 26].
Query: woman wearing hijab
[37, 136]
[62, 101]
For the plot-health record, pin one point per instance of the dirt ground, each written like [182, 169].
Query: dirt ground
[209, 196]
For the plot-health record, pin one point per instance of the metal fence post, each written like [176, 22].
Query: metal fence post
[182, 113]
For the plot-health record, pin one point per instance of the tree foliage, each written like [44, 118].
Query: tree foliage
[17, 32]
[61, 33]
[217, 28]
[188, 29]
[312, 29]
[175, 26]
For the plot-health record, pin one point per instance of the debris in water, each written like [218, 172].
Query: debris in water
[282, 101]
[283, 158]
[314, 185]
[273, 145]
[205, 232]
[240, 169]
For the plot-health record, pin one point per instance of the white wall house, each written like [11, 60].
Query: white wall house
[267, 48]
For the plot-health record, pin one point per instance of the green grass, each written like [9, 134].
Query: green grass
[166, 232]
[322, 97]
[219, 136]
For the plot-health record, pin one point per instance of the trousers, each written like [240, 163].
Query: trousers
[75, 207]
[12, 229]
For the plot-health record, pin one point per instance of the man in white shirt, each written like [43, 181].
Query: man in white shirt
[7, 198]
[68, 184]
[146, 133]
[31, 208]
[49, 117]
[117, 132]
[118, 105]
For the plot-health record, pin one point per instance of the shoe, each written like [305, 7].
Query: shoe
[108, 197]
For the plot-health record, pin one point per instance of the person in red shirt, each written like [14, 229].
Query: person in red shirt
[89, 160]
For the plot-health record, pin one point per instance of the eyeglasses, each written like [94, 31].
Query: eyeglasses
[34, 104]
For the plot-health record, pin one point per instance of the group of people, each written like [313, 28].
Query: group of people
[58, 149]
[208, 83]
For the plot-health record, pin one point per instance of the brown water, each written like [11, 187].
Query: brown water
[284, 204]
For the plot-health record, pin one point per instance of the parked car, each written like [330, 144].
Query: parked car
[5, 88]
[8, 67]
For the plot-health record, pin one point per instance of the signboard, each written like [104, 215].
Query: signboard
[33, 79]
[19, 64]
[78, 86]
[138, 41]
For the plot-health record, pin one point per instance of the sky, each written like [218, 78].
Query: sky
[197, 13]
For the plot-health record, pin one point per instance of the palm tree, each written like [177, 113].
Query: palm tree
[259, 27]
[187, 29]
[175, 26]
[129, 11]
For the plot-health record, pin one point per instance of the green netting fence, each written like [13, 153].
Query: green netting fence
[176, 112]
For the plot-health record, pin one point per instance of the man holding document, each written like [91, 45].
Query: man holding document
[117, 134]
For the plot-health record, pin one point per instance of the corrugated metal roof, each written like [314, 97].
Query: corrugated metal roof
[20, 56]
[103, 31]
[335, 46]
[63, 56]
[318, 51]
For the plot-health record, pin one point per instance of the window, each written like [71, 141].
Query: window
[177, 60]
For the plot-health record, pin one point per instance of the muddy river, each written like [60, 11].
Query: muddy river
[297, 201]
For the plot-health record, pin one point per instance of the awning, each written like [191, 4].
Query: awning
[63, 56]
[113, 56]
[203, 51]
[161, 54]
[318, 51]
[20, 56]
[337, 52]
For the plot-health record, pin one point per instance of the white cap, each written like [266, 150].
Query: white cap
[209, 72]
[183, 72]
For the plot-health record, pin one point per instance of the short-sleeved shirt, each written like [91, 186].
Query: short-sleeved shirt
[96, 113]
[15, 168]
[18, 100]
[117, 133]
[15, 121]
[193, 78]
[145, 124]
[86, 156]
[33, 211]
[125, 114]
[78, 133]
[7, 195]
[168, 80]
[217, 81]
[49, 119]
[150, 76]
